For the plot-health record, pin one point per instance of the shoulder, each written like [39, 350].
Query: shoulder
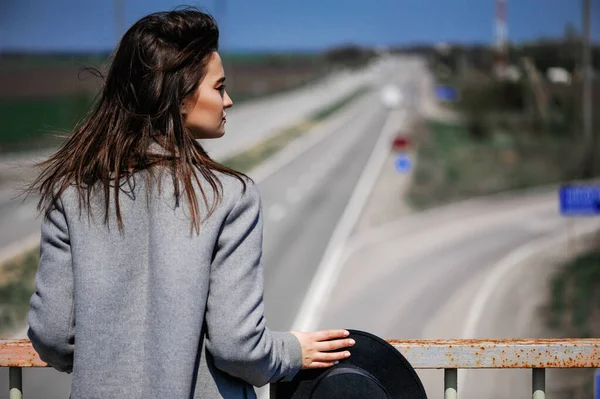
[238, 190]
[63, 202]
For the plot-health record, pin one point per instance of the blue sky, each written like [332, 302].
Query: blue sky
[255, 25]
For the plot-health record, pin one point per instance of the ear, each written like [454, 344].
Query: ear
[186, 105]
[183, 108]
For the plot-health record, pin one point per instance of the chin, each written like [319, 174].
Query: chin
[211, 135]
[219, 134]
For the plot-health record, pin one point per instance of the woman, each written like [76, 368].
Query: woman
[150, 280]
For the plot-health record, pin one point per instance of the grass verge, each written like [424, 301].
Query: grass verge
[37, 123]
[28, 124]
[17, 284]
[452, 165]
[575, 297]
[574, 311]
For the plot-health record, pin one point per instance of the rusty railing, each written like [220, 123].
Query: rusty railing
[450, 355]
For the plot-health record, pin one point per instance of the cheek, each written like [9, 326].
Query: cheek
[207, 115]
[210, 107]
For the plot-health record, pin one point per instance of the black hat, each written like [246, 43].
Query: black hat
[375, 370]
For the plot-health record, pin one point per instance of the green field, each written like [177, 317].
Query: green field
[20, 62]
[36, 122]
[13, 62]
[26, 124]
[453, 166]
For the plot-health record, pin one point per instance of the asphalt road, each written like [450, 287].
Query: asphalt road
[420, 278]
[302, 201]
[248, 124]
[416, 278]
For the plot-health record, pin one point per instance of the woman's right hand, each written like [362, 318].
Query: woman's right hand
[316, 347]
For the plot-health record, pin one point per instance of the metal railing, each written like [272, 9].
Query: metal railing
[535, 354]
[450, 355]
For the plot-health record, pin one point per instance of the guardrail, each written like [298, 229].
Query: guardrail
[450, 355]
[535, 354]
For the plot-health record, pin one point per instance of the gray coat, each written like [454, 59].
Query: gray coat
[156, 311]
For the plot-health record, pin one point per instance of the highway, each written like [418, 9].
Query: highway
[424, 277]
[416, 276]
[303, 197]
[248, 124]
[251, 122]
[303, 203]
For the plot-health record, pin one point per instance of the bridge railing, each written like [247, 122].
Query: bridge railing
[449, 355]
[534, 354]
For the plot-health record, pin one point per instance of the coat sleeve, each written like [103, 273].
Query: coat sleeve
[237, 336]
[51, 313]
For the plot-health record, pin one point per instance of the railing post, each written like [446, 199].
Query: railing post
[15, 382]
[539, 384]
[450, 384]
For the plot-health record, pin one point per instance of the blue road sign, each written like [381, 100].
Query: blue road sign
[597, 384]
[403, 163]
[579, 200]
[446, 93]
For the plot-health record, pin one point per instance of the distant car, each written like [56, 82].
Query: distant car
[401, 143]
[558, 75]
[391, 96]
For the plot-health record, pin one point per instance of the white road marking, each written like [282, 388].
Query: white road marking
[333, 160]
[320, 167]
[439, 214]
[293, 195]
[546, 225]
[276, 213]
[328, 271]
[307, 182]
[321, 173]
[513, 260]
[304, 143]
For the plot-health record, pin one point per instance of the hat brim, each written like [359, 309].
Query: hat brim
[372, 354]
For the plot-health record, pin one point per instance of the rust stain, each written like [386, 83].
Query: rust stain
[503, 353]
[468, 353]
[19, 353]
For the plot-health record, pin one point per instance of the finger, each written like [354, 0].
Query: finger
[334, 345]
[330, 334]
[331, 357]
[321, 365]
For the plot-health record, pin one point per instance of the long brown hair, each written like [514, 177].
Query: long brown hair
[158, 62]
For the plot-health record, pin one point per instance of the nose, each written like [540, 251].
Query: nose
[227, 102]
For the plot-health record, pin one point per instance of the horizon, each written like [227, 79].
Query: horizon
[269, 26]
[297, 51]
